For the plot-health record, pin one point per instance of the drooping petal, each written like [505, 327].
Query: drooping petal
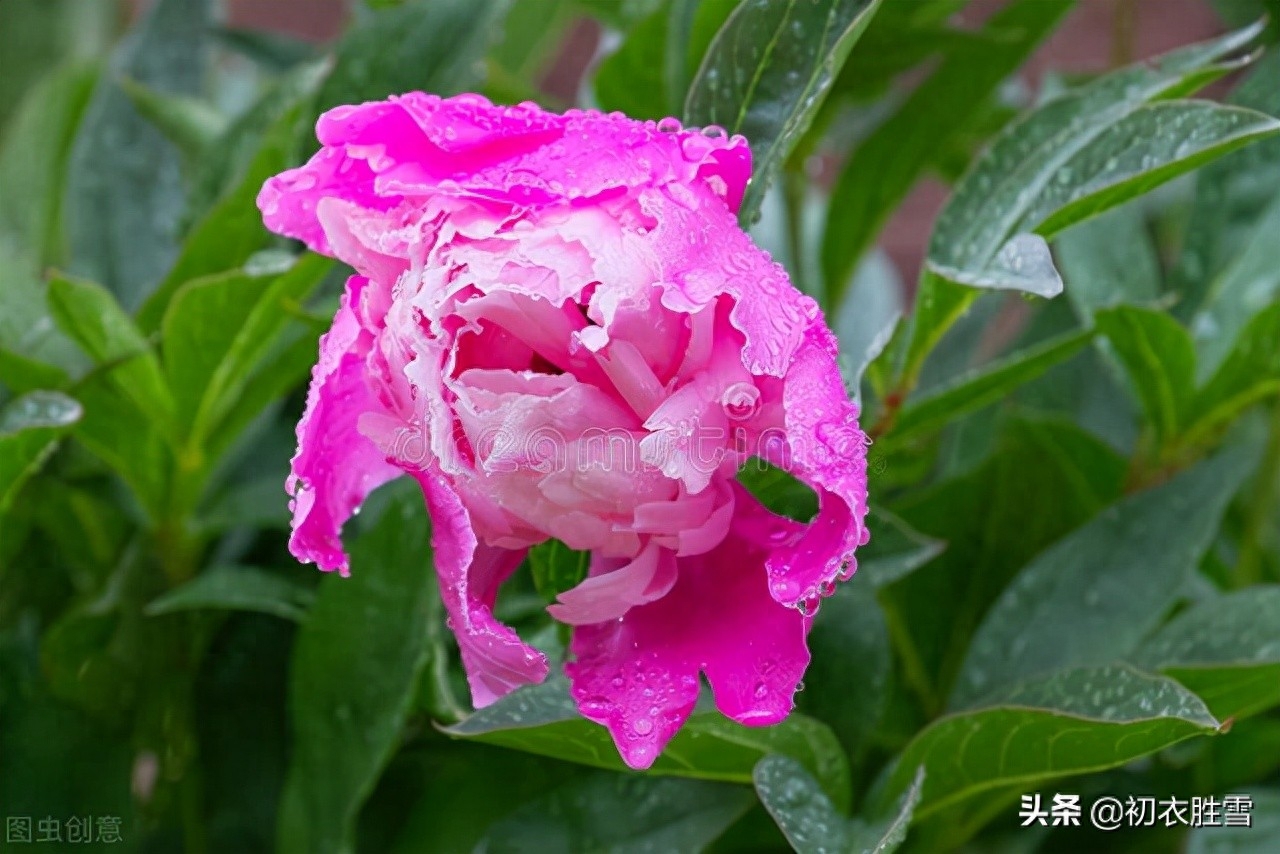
[826, 450]
[335, 466]
[608, 594]
[638, 676]
[470, 573]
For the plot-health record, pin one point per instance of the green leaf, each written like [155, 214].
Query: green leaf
[633, 79]
[1074, 721]
[1146, 148]
[1250, 373]
[621, 813]
[91, 316]
[1261, 836]
[22, 375]
[543, 719]
[981, 387]
[1092, 596]
[232, 230]
[779, 490]
[1225, 649]
[30, 427]
[39, 39]
[123, 437]
[33, 164]
[848, 674]
[237, 588]
[1043, 478]
[556, 568]
[57, 759]
[267, 135]
[254, 502]
[866, 322]
[1160, 359]
[189, 123]
[810, 822]
[766, 73]
[1231, 196]
[895, 549]
[1109, 260]
[886, 165]
[1248, 284]
[121, 221]
[532, 33]
[1065, 161]
[347, 714]
[217, 331]
[429, 46]
[286, 368]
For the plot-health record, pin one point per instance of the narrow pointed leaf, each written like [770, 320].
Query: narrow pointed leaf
[766, 74]
[238, 588]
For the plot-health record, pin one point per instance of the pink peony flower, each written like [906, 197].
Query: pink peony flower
[560, 330]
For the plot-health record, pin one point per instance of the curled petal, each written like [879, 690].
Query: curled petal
[638, 676]
[612, 591]
[335, 466]
[496, 660]
[826, 450]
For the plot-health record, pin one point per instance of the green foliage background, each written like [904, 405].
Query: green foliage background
[1073, 582]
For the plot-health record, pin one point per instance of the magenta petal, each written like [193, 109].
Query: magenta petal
[638, 676]
[496, 660]
[828, 451]
[335, 466]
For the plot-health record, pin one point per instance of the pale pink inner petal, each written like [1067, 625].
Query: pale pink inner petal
[609, 595]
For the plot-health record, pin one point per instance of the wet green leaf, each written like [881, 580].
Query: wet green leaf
[1226, 649]
[1072, 158]
[1092, 596]
[1073, 721]
[810, 822]
[766, 73]
[218, 330]
[884, 166]
[543, 719]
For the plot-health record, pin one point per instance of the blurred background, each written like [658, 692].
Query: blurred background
[1095, 36]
